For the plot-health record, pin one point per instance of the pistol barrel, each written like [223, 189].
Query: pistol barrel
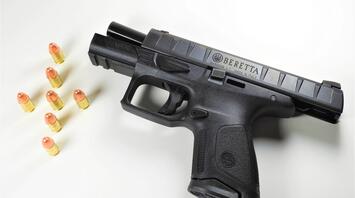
[118, 31]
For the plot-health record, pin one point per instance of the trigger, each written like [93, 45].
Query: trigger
[175, 99]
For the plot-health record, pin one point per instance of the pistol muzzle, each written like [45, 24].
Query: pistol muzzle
[118, 31]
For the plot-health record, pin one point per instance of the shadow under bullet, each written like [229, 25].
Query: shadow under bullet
[63, 142]
[92, 96]
[64, 119]
[67, 70]
[40, 92]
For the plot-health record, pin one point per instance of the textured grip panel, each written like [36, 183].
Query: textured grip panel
[224, 163]
[234, 154]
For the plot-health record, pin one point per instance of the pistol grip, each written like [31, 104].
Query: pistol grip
[224, 163]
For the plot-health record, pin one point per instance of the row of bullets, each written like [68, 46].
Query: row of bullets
[53, 99]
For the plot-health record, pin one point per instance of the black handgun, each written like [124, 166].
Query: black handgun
[224, 94]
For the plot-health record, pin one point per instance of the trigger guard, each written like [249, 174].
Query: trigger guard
[166, 119]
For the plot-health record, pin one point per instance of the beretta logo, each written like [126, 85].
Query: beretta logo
[234, 64]
[217, 57]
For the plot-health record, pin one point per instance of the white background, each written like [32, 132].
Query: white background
[107, 152]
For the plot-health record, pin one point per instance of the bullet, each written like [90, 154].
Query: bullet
[25, 102]
[54, 100]
[52, 121]
[53, 77]
[50, 146]
[81, 99]
[56, 53]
